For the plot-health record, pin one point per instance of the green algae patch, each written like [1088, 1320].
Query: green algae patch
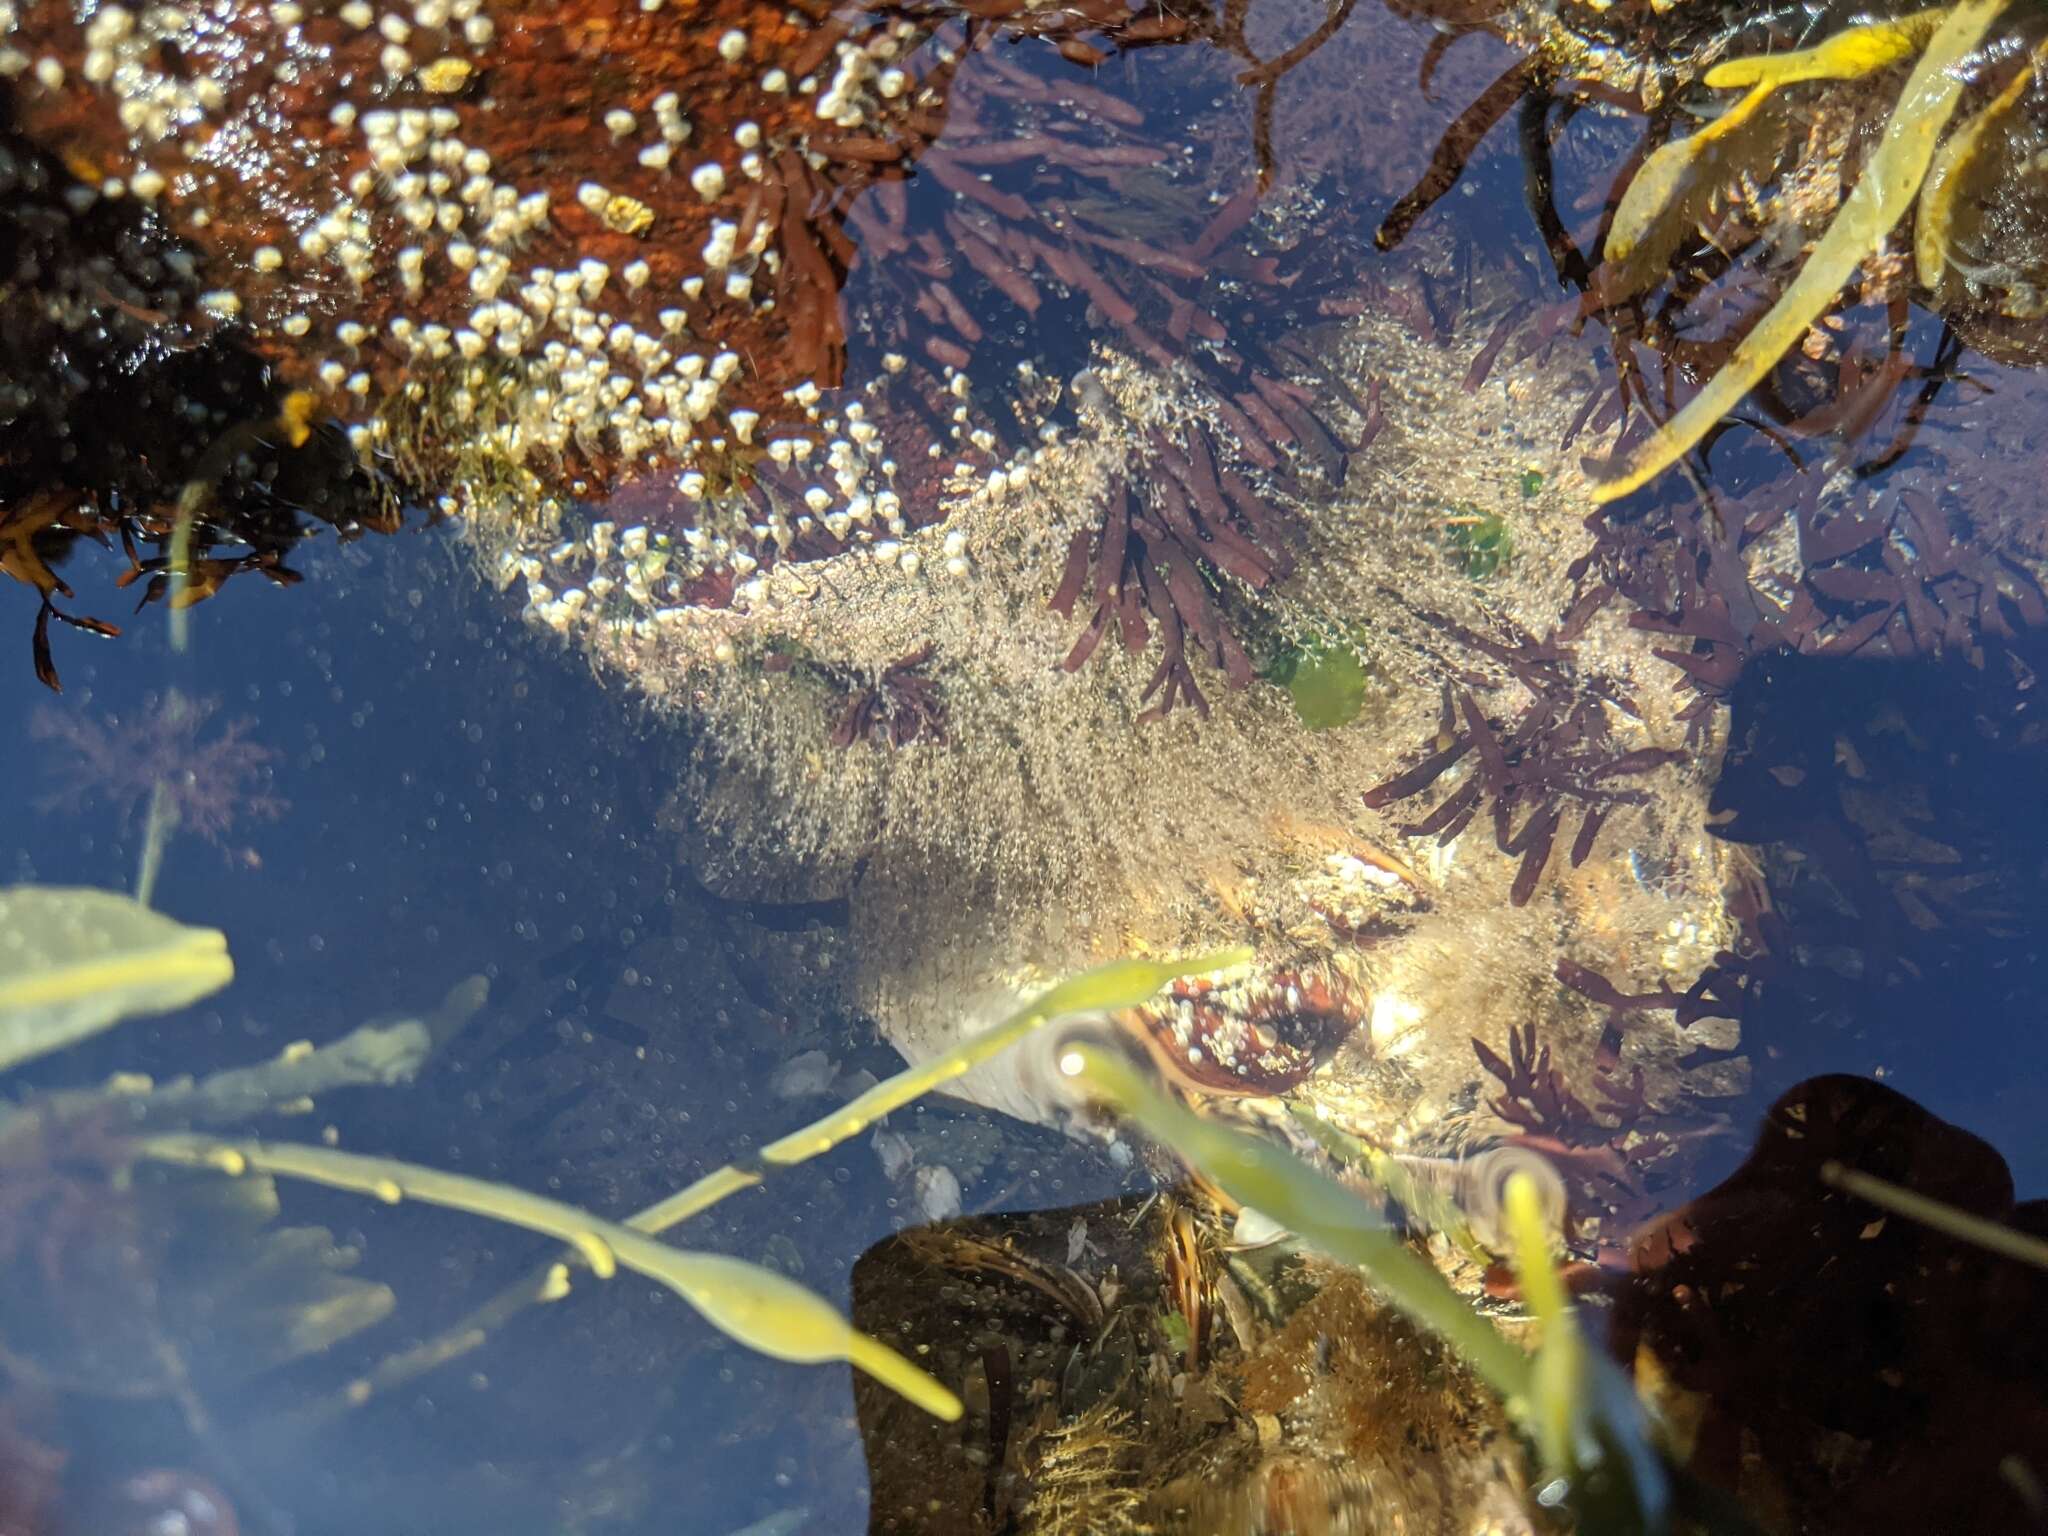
[1481, 544]
[1326, 685]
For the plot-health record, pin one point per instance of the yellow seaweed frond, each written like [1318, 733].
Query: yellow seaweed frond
[1671, 172]
[76, 960]
[1311, 1205]
[1109, 987]
[1992, 1236]
[1557, 1378]
[761, 1309]
[1935, 220]
[1849, 54]
[1686, 164]
[1880, 198]
[1119, 984]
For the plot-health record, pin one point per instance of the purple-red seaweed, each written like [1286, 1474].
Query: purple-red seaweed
[210, 782]
[901, 705]
[1556, 761]
[1618, 1155]
[1162, 562]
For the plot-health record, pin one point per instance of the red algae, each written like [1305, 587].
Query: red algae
[211, 782]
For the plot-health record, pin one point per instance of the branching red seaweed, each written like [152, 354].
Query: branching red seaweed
[212, 783]
[901, 705]
[1558, 760]
[1162, 561]
[1618, 1155]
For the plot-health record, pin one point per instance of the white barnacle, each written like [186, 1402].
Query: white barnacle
[719, 248]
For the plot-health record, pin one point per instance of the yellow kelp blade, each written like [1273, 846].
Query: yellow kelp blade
[1580, 1409]
[1934, 223]
[1315, 1208]
[1692, 167]
[1993, 1237]
[1118, 984]
[1107, 988]
[1433, 1209]
[1556, 1384]
[759, 1308]
[1849, 54]
[1878, 201]
[778, 1317]
[76, 960]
